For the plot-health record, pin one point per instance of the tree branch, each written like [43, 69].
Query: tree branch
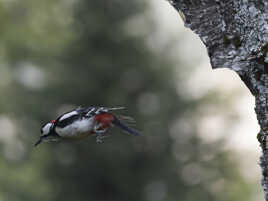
[235, 33]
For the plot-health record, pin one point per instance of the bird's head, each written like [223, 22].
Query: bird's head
[47, 128]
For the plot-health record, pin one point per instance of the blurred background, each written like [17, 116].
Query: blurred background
[199, 125]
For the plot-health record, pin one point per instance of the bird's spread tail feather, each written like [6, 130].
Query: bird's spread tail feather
[125, 128]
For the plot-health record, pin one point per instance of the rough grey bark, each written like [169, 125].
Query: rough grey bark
[235, 33]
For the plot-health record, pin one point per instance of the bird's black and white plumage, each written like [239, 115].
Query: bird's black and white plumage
[83, 122]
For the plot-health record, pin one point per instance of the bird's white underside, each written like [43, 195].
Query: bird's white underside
[77, 129]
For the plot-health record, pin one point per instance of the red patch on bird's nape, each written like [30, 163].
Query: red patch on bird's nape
[105, 118]
[52, 121]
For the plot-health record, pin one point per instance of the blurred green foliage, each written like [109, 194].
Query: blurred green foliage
[56, 55]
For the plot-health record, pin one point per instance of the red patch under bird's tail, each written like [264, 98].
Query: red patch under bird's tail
[105, 119]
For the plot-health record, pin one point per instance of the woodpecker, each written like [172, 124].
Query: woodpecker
[83, 122]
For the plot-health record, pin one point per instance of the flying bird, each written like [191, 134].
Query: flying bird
[83, 122]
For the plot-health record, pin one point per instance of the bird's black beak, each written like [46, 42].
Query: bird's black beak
[39, 141]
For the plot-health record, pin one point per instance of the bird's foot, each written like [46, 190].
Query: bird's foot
[100, 139]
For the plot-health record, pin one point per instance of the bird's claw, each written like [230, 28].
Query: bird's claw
[100, 139]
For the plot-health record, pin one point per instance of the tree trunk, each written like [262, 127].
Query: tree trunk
[235, 33]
